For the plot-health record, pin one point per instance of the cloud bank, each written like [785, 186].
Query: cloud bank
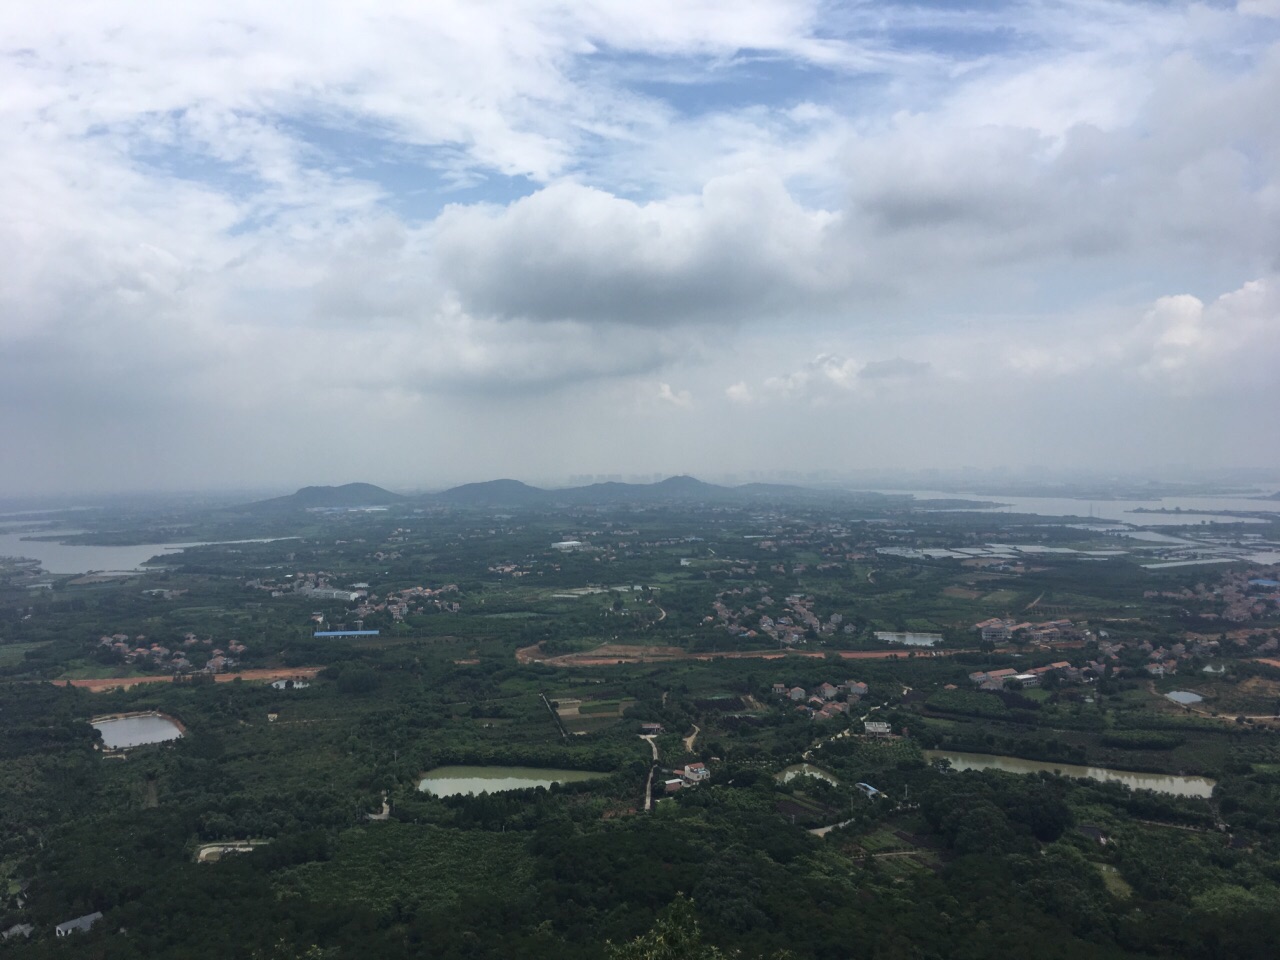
[472, 239]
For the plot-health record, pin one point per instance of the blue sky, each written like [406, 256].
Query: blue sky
[535, 239]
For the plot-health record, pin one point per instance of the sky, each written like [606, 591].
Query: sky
[414, 244]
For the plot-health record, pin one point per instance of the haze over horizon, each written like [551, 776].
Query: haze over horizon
[250, 247]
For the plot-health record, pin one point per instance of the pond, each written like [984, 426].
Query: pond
[119, 733]
[1160, 782]
[909, 639]
[788, 774]
[1183, 696]
[455, 781]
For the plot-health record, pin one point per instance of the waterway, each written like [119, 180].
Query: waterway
[70, 558]
[1160, 782]
[788, 774]
[454, 781]
[121, 732]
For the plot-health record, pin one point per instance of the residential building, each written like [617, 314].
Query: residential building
[696, 772]
[78, 925]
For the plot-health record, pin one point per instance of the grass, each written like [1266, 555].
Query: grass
[1117, 886]
[12, 653]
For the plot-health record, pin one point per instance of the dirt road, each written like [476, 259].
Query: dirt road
[688, 741]
[612, 654]
[124, 683]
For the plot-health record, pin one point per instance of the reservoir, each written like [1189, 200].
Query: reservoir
[1160, 782]
[121, 732]
[455, 781]
[806, 770]
[1184, 697]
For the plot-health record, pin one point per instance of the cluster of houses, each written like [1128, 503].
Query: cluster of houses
[999, 679]
[1161, 661]
[410, 600]
[1241, 595]
[826, 701]
[790, 627]
[1002, 630]
[399, 604]
[138, 650]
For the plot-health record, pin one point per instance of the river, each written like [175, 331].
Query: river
[1160, 782]
[453, 781]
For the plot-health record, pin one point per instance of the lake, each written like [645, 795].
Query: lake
[121, 732]
[1160, 782]
[69, 558]
[788, 774]
[455, 781]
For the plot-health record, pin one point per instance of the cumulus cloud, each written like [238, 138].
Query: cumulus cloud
[741, 247]
[896, 368]
[676, 398]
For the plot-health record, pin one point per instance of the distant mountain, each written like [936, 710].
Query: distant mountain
[506, 493]
[347, 495]
[514, 493]
[493, 493]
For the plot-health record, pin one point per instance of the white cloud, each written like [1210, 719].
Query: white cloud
[1259, 8]
[676, 398]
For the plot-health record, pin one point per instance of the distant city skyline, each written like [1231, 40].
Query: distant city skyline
[263, 246]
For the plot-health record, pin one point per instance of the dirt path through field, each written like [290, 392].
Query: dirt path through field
[612, 654]
[124, 683]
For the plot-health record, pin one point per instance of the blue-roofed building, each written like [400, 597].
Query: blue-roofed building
[346, 633]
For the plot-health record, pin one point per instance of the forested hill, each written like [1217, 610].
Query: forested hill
[671, 490]
[347, 495]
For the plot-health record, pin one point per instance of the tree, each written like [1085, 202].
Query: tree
[674, 936]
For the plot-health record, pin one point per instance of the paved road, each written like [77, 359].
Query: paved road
[648, 784]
